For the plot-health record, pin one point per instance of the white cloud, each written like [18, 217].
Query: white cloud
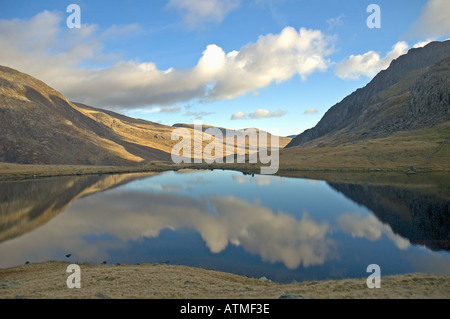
[258, 114]
[312, 110]
[202, 11]
[369, 63]
[434, 20]
[335, 22]
[239, 115]
[263, 113]
[421, 44]
[170, 109]
[54, 54]
[273, 58]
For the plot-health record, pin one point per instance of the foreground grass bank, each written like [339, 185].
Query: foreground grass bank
[162, 281]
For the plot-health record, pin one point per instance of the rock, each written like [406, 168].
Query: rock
[8, 283]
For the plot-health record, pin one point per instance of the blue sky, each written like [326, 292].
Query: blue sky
[278, 65]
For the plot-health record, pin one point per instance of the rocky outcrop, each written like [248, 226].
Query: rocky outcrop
[430, 94]
[413, 92]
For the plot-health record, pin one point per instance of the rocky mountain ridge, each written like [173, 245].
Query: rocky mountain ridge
[414, 92]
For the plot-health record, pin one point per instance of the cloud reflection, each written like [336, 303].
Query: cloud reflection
[370, 227]
[258, 179]
[110, 219]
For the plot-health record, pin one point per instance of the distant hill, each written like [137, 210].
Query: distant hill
[412, 94]
[283, 141]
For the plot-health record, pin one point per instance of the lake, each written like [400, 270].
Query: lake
[285, 229]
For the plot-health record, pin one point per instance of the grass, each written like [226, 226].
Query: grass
[409, 151]
[161, 281]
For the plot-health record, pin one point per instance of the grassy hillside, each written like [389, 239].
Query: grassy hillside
[423, 149]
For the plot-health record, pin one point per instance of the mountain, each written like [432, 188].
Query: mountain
[412, 94]
[39, 125]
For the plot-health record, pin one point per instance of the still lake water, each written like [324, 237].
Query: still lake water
[282, 228]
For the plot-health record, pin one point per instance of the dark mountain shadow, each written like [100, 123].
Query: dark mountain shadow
[422, 218]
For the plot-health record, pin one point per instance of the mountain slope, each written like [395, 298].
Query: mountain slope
[39, 125]
[413, 93]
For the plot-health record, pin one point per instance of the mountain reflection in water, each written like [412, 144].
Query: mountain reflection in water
[424, 219]
[287, 228]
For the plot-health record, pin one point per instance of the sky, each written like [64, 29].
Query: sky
[278, 65]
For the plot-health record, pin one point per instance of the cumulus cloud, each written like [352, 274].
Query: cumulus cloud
[202, 11]
[263, 113]
[421, 44]
[258, 114]
[239, 115]
[57, 55]
[273, 58]
[369, 63]
[312, 110]
[433, 21]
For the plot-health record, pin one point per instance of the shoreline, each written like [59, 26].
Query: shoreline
[12, 172]
[47, 280]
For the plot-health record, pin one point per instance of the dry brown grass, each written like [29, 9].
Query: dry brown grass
[161, 281]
